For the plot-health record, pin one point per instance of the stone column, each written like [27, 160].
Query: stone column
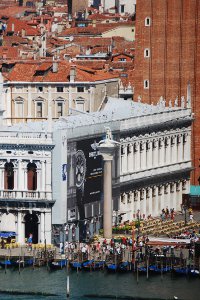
[167, 196]
[173, 150]
[186, 147]
[179, 195]
[107, 151]
[162, 198]
[173, 195]
[161, 152]
[107, 212]
[167, 150]
[155, 202]
[137, 200]
[43, 172]
[143, 155]
[42, 224]
[137, 156]
[21, 177]
[155, 153]
[20, 233]
[123, 159]
[149, 154]
[8, 107]
[150, 202]
[130, 158]
[143, 202]
[29, 104]
[180, 148]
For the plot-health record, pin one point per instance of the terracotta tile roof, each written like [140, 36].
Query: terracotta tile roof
[32, 72]
[8, 52]
[90, 30]
[20, 25]
[15, 40]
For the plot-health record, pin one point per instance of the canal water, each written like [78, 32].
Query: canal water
[99, 284]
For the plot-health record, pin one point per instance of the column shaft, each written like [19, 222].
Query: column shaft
[107, 182]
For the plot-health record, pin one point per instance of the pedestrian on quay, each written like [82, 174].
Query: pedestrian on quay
[30, 241]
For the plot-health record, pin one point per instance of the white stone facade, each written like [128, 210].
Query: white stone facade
[150, 156]
[151, 168]
[25, 183]
[123, 6]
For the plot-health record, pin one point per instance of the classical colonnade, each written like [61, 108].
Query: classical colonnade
[152, 152]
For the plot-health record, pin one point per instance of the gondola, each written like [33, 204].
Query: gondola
[186, 271]
[142, 269]
[180, 270]
[57, 264]
[88, 264]
[159, 269]
[124, 266]
[111, 267]
[23, 263]
[76, 265]
[98, 265]
[6, 263]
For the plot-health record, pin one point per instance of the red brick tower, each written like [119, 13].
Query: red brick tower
[168, 57]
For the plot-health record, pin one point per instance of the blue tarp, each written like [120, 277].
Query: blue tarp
[7, 234]
[195, 190]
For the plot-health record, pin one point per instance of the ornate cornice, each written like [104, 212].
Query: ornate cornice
[156, 180]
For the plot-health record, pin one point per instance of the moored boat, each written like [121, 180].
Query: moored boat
[57, 264]
[76, 265]
[6, 263]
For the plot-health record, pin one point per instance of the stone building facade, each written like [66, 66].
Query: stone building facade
[151, 167]
[25, 183]
[32, 91]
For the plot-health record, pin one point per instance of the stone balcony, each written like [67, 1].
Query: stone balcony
[25, 195]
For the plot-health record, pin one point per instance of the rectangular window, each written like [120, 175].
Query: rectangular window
[122, 8]
[80, 105]
[60, 89]
[80, 89]
[59, 109]
[19, 110]
[19, 88]
[40, 89]
[122, 59]
[39, 110]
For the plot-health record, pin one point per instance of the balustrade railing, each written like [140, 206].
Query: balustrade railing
[25, 195]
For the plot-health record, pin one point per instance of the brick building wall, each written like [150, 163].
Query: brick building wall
[168, 34]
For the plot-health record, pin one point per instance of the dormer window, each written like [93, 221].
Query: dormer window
[147, 21]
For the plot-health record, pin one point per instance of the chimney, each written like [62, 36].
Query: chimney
[13, 27]
[72, 73]
[23, 32]
[55, 66]
[94, 24]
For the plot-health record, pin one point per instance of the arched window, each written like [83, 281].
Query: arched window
[146, 84]
[9, 176]
[147, 21]
[147, 52]
[32, 176]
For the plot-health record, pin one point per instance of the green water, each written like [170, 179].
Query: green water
[98, 283]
